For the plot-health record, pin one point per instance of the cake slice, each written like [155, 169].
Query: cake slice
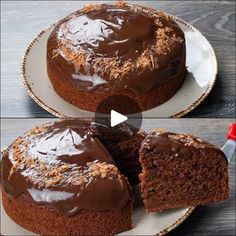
[59, 179]
[180, 170]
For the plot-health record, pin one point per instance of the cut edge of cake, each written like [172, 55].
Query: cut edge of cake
[180, 170]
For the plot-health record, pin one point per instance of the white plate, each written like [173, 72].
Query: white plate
[144, 223]
[201, 64]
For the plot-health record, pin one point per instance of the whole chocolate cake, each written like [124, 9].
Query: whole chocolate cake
[104, 50]
[180, 170]
[59, 179]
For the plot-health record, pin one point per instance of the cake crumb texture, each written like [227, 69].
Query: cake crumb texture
[181, 170]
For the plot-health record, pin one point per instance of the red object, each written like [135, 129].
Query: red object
[232, 132]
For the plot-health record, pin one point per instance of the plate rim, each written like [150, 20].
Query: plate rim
[196, 103]
[178, 222]
[160, 233]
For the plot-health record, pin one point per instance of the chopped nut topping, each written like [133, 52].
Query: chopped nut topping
[77, 58]
[120, 3]
[90, 7]
[79, 180]
[101, 169]
[51, 182]
[144, 62]
[158, 22]
[44, 174]
[63, 168]
[116, 68]
[55, 53]
[189, 140]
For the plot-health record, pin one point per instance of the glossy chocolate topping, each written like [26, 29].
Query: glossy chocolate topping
[116, 47]
[174, 145]
[64, 165]
[109, 32]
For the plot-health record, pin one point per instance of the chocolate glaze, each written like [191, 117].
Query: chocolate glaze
[115, 33]
[109, 32]
[175, 145]
[64, 166]
[161, 143]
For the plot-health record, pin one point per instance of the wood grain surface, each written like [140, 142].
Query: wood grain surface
[214, 219]
[22, 20]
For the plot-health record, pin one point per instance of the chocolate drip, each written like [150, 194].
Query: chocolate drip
[64, 165]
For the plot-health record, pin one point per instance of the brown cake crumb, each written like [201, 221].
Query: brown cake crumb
[178, 165]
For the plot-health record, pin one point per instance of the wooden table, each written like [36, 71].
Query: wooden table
[22, 20]
[213, 219]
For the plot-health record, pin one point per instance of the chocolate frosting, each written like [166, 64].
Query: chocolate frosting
[175, 145]
[116, 47]
[64, 165]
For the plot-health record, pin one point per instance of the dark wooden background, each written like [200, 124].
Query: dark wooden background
[21, 20]
[215, 219]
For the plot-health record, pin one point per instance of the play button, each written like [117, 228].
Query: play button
[117, 118]
[117, 110]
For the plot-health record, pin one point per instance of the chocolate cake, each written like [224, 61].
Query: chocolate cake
[59, 178]
[104, 50]
[181, 170]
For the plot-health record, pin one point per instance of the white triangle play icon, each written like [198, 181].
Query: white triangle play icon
[117, 118]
